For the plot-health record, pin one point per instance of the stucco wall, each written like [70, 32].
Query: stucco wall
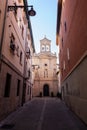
[73, 36]
[75, 90]
[8, 104]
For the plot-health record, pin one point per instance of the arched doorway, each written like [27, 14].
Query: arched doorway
[46, 90]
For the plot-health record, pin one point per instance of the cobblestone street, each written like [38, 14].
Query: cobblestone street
[42, 114]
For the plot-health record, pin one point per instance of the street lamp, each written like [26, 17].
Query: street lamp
[31, 12]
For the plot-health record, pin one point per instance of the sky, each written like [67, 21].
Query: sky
[44, 22]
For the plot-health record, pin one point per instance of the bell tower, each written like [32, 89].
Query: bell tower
[45, 45]
[46, 80]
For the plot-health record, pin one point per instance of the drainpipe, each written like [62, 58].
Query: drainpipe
[2, 34]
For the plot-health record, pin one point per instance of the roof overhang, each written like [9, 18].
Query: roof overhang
[59, 10]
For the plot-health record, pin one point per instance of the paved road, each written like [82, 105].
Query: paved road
[43, 114]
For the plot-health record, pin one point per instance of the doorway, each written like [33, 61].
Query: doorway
[46, 90]
[24, 94]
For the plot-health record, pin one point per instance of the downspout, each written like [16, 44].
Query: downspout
[2, 34]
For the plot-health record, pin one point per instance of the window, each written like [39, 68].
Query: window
[68, 54]
[18, 87]
[17, 49]
[22, 32]
[0, 13]
[7, 85]
[65, 26]
[62, 41]
[64, 67]
[21, 57]
[45, 73]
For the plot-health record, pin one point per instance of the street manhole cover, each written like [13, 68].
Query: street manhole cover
[7, 126]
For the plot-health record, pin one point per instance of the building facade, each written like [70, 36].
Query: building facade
[72, 41]
[45, 68]
[15, 61]
[29, 50]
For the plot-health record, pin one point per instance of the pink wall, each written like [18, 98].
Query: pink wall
[75, 37]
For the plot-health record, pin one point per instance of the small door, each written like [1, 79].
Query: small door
[46, 90]
[24, 93]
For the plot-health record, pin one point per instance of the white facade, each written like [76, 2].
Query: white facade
[45, 68]
[16, 48]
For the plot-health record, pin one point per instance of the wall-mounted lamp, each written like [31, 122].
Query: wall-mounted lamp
[31, 12]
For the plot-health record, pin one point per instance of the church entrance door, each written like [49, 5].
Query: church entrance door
[46, 90]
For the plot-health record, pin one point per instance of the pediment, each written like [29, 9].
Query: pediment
[45, 40]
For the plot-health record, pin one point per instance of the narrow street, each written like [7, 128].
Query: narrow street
[42, 114]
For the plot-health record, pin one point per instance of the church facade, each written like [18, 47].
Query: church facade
[45, 70]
